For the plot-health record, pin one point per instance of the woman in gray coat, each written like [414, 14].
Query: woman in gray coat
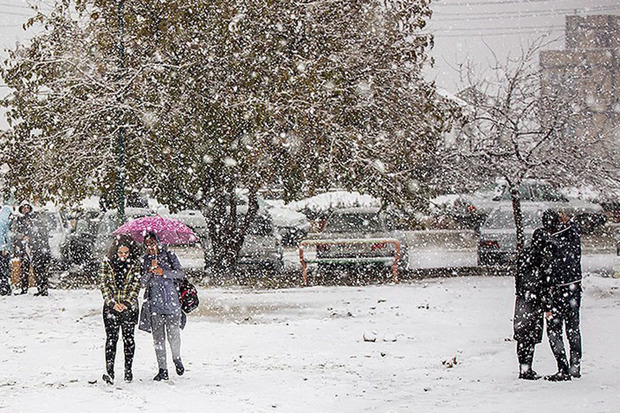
[162, 310]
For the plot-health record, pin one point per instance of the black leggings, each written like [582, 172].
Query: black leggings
[5, 273]
[125, 321]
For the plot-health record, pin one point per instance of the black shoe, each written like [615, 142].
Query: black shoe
[128, 376]
[41, 294]
[108, 378]
[22, 292]
[575, 372]
[162, 375]
[529, 375]
[559, 376]
[179, 367]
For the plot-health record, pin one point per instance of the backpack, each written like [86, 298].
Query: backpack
[188, 295]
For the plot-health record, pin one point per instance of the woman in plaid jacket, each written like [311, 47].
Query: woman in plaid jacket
[120, 284]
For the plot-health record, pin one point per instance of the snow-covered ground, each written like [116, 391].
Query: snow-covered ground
[302, 350]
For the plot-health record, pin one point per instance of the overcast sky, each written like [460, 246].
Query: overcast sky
[462, 29]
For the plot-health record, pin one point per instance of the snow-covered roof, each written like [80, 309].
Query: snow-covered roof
[335, 199]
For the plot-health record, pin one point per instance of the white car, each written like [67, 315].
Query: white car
[498, 236]
[476, 206]
[350, 228]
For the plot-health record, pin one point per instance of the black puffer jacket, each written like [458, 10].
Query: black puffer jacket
[567, 255]
[532, 288]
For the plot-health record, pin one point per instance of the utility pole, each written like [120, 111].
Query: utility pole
[120, 137]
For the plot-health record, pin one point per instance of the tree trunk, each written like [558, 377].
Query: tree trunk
[227, 229]
[518, 216]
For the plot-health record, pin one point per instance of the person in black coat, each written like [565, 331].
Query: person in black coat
[31, 246]
[565, 300]
[531, 294]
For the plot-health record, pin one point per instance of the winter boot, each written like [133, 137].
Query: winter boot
[559, 376]
[108, 378]
[529, 375]
[179, 367]
[162, 375]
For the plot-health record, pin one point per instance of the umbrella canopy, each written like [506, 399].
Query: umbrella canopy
[169, 231]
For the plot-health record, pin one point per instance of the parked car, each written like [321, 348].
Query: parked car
[89, 241]
[498, 238]
[475, 207]
[359, 224]
[78, 246]
[291, 226]
[261, 250]
[617, 260]
[57, 230]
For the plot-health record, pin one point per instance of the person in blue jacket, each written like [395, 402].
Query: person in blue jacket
[162, 313]
[5, 250]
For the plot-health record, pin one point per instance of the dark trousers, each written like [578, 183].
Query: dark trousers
[566, 302]
[525, 355]
[126, 322]
[5, 273]
[40, 267]
[24, 271]
[40, 264]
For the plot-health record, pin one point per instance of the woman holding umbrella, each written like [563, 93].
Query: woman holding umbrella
[120, 284]
[161, 312]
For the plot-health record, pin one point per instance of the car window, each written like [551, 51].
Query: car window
[50, 220]
[546, 193]
[358, 222]
[505, 194]
[504, 219]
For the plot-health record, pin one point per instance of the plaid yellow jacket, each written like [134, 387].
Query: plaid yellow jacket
[127, 295]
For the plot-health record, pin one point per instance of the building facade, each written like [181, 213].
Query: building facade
[588, 72]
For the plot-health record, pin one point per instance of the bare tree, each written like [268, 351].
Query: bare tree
[516, 127]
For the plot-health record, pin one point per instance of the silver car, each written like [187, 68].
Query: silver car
[261, 250]
[498, 236]
[475, 207]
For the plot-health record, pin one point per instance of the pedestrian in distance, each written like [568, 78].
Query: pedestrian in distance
[120, 284]
[5, 250]
[161, 312]
[31, 246]
[531, 294]
[565, 300]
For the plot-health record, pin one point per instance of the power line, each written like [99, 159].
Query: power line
[530, 12]
[494, 3]
[8, 13]
[513, 15]
[481, 35]
[519, 28]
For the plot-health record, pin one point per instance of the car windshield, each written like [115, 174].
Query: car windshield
[504, 218]
[354, 222]
[261, 226]
[490, 190]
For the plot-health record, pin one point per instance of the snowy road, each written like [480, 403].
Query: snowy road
[302, 350]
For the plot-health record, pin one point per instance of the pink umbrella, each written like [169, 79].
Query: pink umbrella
[169, 231]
